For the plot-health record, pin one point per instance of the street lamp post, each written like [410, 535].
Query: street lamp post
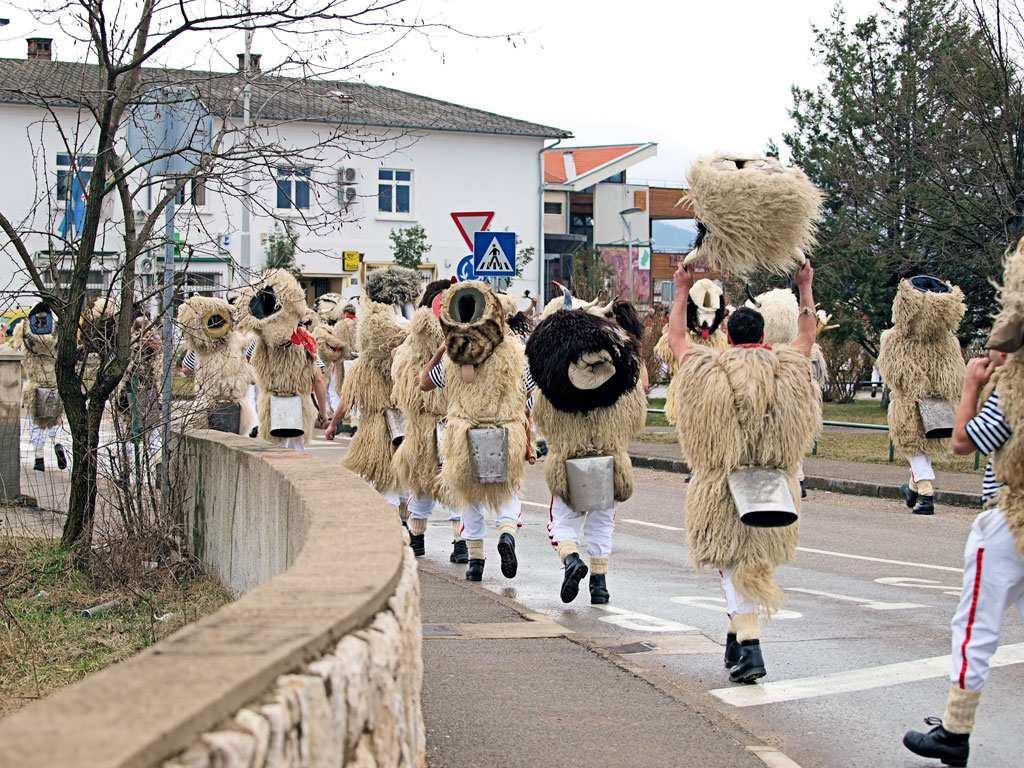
[629, 246]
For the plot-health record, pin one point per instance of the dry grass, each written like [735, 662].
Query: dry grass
[46, 643]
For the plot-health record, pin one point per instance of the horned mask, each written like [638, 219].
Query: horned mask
[473, 322]
[705, 307]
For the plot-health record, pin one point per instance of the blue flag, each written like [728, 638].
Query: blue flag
[74, 211]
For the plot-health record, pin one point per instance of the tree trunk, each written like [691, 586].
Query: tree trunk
[85, 432]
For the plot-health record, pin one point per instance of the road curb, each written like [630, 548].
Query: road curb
[833, 484]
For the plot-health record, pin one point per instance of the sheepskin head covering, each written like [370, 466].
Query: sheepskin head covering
[393, 285]
[705, 307]
[329, 306]
[473, 322]
[40, 320]
[781, 312]
[272, 307]
[432, 289]
[205, 322]
[1008, 331]
[334, 341]
[310, 320]
[926, 308]
[582, 361]
[753, 214]
[565, 301]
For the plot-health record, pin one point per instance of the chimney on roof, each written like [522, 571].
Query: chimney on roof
[40, 48]
[254, 62]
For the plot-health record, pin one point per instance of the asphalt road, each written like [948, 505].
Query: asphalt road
[853, 661]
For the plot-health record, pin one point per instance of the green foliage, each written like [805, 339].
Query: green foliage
[591, 274]
[281, 246]
[523, 257]
[911, 137]
[409, 246]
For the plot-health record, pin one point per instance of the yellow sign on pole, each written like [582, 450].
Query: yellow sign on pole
[350, 260]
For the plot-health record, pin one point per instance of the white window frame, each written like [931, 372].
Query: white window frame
[394, 183]
[294, 171]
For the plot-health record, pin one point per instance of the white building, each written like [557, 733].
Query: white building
[349, 163]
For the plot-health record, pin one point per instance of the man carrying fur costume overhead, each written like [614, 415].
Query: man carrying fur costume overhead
[590, 402]
[487, 437]
[368, 386]
[283, 358]
[920, 360]
[416, 461]
[994, 556]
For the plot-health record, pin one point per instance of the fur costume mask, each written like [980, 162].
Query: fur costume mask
[205, 322]
[705, 308]
[781, 312]
[394, 285]
[273, 307]
[473, 322]
[329, 307]
[752, 214]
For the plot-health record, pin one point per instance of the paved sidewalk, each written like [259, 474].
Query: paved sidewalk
[853, 477]
[506, 689]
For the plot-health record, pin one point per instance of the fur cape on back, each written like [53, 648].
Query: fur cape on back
[39, 366]
[717, 340]
[920, 357]
[736, 408]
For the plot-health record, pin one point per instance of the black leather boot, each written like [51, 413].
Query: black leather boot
[417, 544]
[951, 748]
[62, 457]
[803, 489]
[460, 552]
[732, 650]
[507, 552]
[598, 589]
[909, 495]
[750, 667]
[925, 505]
[575, 571]
[475, 571]
[39, 466]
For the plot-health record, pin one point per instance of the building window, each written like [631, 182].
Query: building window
[555, 208]
[67, 166]
[293, 188]
[394, 191]
[194, 191]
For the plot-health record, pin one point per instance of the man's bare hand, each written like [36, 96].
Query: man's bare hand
[683, 279]
[331, 431]
[979, 371]
[805, 275]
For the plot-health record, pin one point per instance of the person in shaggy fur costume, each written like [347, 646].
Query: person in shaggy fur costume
[589, 401]
[284, 356]
[416, 461]
[37, 336]
[751, 405]
[368, 386]
[919, 357]
[994, 556]
[487, 385]
[335, 343]
[216, 358]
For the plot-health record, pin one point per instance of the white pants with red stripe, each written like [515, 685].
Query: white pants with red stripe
[422, 507]
[993, 581]
[474, 524]
[597, 526]
[921, 467]
[735, 601]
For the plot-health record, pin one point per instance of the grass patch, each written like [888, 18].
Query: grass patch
[46, 643]
[656, 419]
[859, 411]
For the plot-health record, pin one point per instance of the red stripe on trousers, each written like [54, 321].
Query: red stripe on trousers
[551, 521]
[979, 560]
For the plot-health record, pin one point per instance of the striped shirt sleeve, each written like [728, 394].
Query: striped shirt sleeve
[989, 430]
[250, 349]
[188, 363]
[320, 364]
[437, 375]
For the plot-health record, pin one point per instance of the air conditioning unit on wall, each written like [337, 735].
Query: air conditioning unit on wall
[348, 178]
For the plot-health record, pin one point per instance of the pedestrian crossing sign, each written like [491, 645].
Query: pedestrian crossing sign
[494, 254]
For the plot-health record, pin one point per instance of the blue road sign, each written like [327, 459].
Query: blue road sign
[465, 269]
[494, 254]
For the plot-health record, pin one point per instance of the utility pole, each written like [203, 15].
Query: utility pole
[245, 255]
[168, 335]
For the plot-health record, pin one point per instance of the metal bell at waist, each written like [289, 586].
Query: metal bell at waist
[47, 403]
[286, 416]
[591, 483]
[488, 454]
[396, 425]
[225, 417]
[762, 497]
[937, 417]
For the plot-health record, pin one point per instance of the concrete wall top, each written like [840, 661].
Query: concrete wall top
[342, 562]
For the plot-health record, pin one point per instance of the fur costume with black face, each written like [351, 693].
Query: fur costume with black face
[753, 214]
[920, 357]
[37, 336]
[705, 310]
[586, 364]
[273, 309]
[222, 374]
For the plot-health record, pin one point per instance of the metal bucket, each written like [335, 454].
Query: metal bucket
[936, 417]
[286, 416]
[225, 417]
[762, 497]
[47, 403]
[439, 429]
[396, 425]
[591, 483]
[488, 453]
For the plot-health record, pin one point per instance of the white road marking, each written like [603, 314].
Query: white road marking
[717, 604]
[854, 680]
[875, 605]
[641, 622]
[652, 525]
[771, 757]
[909, 581]
[879, 560]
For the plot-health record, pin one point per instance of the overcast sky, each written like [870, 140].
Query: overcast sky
[693, 76]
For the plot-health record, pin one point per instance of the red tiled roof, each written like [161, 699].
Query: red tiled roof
[586, 159]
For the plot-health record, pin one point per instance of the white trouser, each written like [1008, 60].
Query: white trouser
[333, 396]
[39, 436]
[395, 498]
[421, 507]
[474, 525]
[921, 468]
[993, 581]
[253, 391]
[294, 443]
[596, 526]
[735, 601]
[800, 472]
